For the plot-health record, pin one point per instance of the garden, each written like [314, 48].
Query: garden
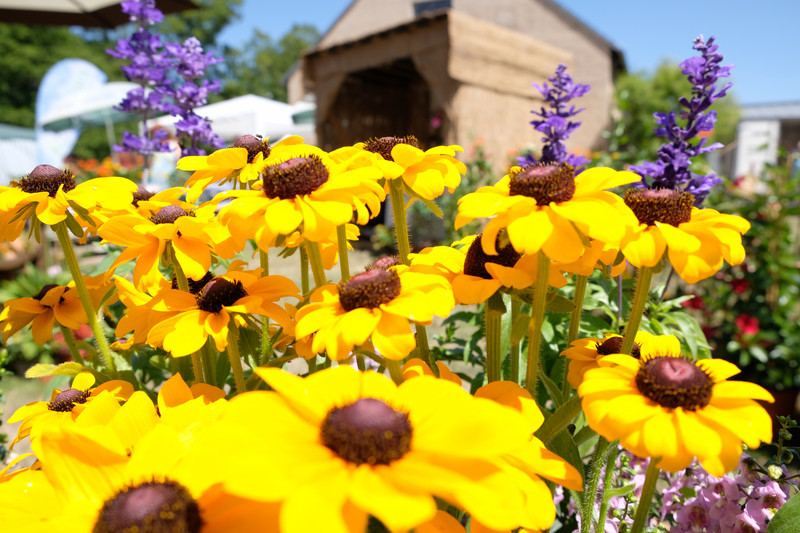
[595, 345]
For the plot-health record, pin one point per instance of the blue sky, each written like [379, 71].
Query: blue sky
[761, 38]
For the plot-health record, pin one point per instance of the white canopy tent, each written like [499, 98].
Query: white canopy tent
[252, 115]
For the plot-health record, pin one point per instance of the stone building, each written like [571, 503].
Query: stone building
[453, 72]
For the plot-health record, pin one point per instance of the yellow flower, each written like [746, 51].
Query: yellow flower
[547, 208]
[308, 194]
[228, 297]
[379, 304]
[598, 255]
[88, 485]
[426, 173]
[356, 444]
[194, 236]
[672, 410]
[243, 161]
[696, 240]
[475, 276]
[53, 303]
[46, 194]
[584, 354]
[64, 405]
[532, 458]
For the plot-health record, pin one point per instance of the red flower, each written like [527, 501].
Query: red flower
[696, 302]
[740, 285]
[748, 325]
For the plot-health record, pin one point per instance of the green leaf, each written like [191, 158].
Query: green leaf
[619, 491]
[64, 369]
[560, 304]
[520, 328]
[787, 517]
[563, 446]
[428, 203]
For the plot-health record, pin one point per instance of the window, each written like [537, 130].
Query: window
[425, 7]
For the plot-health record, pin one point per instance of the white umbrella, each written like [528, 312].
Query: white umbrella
[87, 13]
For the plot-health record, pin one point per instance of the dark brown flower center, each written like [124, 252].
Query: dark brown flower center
[367, 431]
[614, 345]
[195, 286]
[667, 206]
[66, 400]
[384, 263]
[169, 214]
[674, 382]
[369, 289]
[46, 178]
[384, 145]
[42, 293]
[254, 145]
[294, 177]
[151, 507]
[476, 259]
[544, 182]
[141, 195]
[219, 293]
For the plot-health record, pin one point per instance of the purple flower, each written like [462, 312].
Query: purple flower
[554, 119]
[169, 77]
[142, 11]
[671, 170]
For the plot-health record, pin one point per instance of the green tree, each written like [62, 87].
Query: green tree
[262, 64]
[27, 52]
[639, 96]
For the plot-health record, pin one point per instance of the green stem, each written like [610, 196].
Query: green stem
[637, 308]
[395, 370]
[537, 320]
[561, 418]
[574, 322]
[608, 479]
[208, 361]
[424, 349]
[303, 270]
[312, 365]
[235, 357]
[83, 293]
[593, 481]
[492, 321]
[516, 309]
[69, 340]
[400, 222]
[265, 336]
[183, 285]
[344, 259]
[315, 258]
[648, 489]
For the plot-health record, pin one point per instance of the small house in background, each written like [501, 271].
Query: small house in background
[453, 72]
[763, 130]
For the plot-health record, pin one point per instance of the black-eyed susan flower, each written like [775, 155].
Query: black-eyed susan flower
[548, 208]
[583, 354]
[365, 446]
[242, 162]
[378, 304]
[194, 235]
[65, 405]
[209, 313]
[309, 194]
[427, 173]
[533, 458]
[696, 240]
[475, 275]
[46, 194]
[673, 410]
[86, 484]
[54, 303]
